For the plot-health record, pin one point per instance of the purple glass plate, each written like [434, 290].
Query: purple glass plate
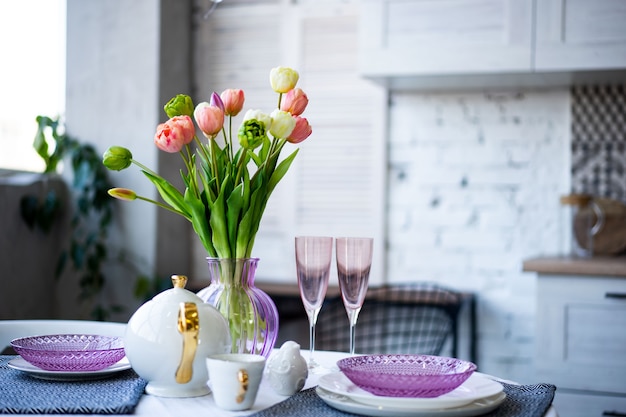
[70, 352]
[417, 376]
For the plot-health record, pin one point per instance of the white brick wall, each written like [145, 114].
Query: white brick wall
[473, 191]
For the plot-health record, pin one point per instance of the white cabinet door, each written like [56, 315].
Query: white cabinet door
[584, 404]
[580, 34]
[581, 342]
[438, 37]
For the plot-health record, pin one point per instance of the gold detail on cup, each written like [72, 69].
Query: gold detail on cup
[242, 377]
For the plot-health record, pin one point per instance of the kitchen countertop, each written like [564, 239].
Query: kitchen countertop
[562, 265]
[272, 288]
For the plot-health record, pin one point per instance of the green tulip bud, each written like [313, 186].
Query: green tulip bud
[123, 194]
[251, 134]
[180, 105]
[117, 158]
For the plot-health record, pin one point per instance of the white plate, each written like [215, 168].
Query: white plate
[476, 387]
[474, 408]
[21, 365]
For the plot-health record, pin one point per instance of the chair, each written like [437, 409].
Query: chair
[417, 318]
[13, 329]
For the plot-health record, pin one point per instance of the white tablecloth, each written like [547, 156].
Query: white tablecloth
[151, 406]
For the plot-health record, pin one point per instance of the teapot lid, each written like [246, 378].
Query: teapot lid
[178, 293]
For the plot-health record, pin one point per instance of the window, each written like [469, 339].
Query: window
[33, 76]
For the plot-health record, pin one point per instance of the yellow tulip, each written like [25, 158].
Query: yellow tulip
[283, 79]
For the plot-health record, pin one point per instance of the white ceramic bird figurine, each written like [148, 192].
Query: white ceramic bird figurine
[287, 369]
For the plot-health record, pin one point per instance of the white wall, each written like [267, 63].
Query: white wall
[112, 99]
[474, 183]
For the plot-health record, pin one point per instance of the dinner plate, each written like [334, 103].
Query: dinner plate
[474, 408]
[21, 365]
[476, 387]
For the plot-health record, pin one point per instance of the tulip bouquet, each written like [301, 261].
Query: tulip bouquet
[223, 198]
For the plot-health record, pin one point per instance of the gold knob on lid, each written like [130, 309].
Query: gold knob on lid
[179, 281]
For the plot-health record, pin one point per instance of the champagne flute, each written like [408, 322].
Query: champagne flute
[354, 261]
[313, 258]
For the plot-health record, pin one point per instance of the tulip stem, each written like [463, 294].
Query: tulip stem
[192, 180]
[145, 168]
[230, 135]
[201, 148]
[240, 164]
[214, 149]
[161, 205]
[280, 98]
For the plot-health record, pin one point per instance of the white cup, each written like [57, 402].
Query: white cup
[235, 379]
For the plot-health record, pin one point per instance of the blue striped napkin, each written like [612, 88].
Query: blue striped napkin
[21, 393]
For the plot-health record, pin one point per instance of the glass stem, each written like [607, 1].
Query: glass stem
[352, 327]
[311, 341]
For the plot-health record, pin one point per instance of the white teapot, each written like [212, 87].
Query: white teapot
[287, 370]
[168, 339]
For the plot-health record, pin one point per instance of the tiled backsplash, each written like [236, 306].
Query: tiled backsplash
[599, 141]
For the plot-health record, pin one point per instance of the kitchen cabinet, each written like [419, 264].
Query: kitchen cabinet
[580, 35]
[406, 44]
[400, 37]
[580, 339]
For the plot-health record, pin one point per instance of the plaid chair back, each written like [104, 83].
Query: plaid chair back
[415, 318]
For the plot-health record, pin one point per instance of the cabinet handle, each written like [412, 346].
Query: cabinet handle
[618, 295]
[613, 414]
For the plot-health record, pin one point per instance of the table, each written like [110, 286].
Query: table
[151, 406]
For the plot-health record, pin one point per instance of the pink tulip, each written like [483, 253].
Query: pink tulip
[302, 130]
[172, 135]
[233, 101]
[295, 101]
[185, 124]
[210, 119]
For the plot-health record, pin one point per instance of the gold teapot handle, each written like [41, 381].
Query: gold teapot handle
[188, 326]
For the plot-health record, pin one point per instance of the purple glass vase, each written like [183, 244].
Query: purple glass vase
[251, 314]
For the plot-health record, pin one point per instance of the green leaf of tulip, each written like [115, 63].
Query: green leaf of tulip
[170, 194]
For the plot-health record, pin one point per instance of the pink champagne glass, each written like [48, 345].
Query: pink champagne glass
[313, 258]
[354, 261]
